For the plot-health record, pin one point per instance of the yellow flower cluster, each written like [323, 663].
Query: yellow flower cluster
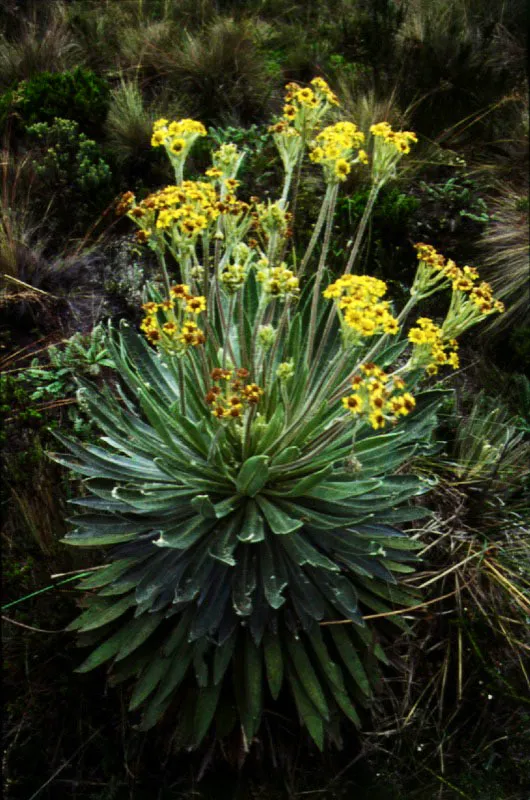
[233, 277]
[277, 281]
[400, 140]
[334, 146]
[431, 348]
[470, 299]
[176, 137]
[225, 161]
[271, 218]
[184, 211]
[289, 143]
[230, 401]
[297, 97]
[359, 299]
[374, 397]
[305, 106]
[171, 324]
[192, 206]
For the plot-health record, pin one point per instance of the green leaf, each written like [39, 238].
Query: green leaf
[148, 681]
[302, 552]
[286, 456]
[222, 657]
[279, 521]
[253, 475]
[253, 685]
[192, 431]
[350, 658]
[106, 574]
[139, 630]
[186, 533]
[334, 491]
[307, 711]
[304, 485]
[272, 651]
[306, 673]
[326, 664]
[104, 652]
[204, 506]
[96, 616]
[272, 430]
[226, 539]
[271, 581]
[253, 528]
[206, 704]
[95, 539]
[175, 674]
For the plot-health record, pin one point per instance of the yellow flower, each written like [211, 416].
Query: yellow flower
[157, 138]
[196, 305]
[408, 402]
[181, 290]
[177, 146]
[377, 420]
[353, 403]
[214, 172]
[362, 155]
[317, 155]
[342, 169]
[170, 328]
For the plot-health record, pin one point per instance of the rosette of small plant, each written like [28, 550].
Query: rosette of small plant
[249, 481]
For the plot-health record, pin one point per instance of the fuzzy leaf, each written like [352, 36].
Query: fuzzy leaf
[307, 711]
[253, 685]
[207, 700]
[253, 527]
[253, 475]
[307, 676]
[278, 521]
[350, 658]
[272, 651]
[148, 681]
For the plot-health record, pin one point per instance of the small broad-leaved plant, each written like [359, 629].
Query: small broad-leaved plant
[248, 481]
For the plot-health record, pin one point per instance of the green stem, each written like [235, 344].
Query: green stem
[182, 387]
[316, 232]
[297, 184]
[320, 271]
[269, 362]
[257, 322]
[286, 187]
[374, 191]
[165, 274]
[246, 435]
[241, 321]
[226, 343]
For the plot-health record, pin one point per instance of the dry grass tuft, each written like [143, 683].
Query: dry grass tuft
[43, 43]
[506, 254]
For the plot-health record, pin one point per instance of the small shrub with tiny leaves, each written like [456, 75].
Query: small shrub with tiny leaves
[71, 168]
[79, 95]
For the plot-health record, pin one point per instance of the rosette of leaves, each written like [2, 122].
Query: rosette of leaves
[225, 567]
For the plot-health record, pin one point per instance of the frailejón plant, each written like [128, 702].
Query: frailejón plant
[247, 478]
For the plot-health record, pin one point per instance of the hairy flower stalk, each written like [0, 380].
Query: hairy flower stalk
[246, 481]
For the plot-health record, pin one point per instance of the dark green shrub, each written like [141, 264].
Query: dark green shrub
[389, 244]
[72, 169]
[79, 95]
